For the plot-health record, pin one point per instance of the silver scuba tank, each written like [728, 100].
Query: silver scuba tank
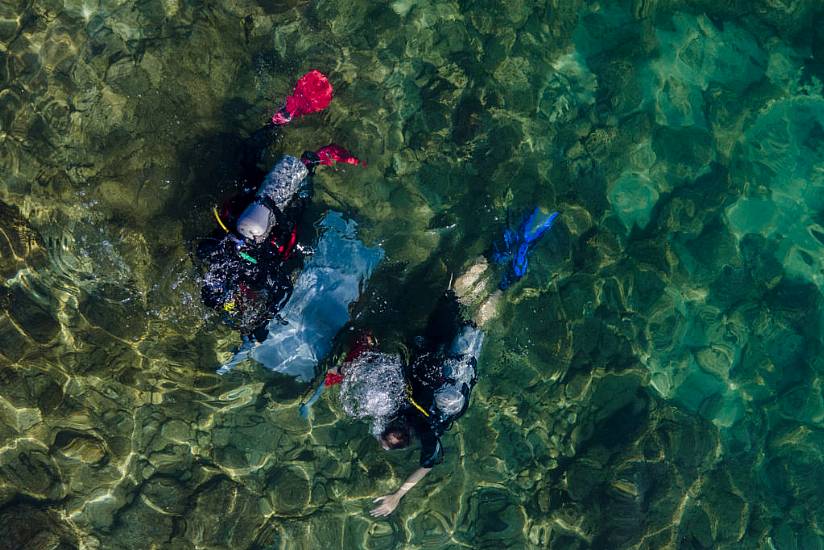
[278, 189]
[466, 347]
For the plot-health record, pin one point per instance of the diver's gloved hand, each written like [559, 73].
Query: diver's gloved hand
[312, 93]
[517, 244]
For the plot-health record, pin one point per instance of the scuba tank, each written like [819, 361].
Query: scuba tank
[281, 184]
[459, 371]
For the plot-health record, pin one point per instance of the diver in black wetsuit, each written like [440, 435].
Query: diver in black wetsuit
[440, 376]
[248, 267]
[421, 398]
[248, 270]
[425, 396]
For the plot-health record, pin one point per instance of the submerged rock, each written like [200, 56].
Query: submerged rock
[31, 471]
[81, 447]
[27, 526]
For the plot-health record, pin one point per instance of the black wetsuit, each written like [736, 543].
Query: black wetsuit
[425, 373]
[249, 283]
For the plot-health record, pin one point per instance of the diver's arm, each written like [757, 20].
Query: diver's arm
[390, 502]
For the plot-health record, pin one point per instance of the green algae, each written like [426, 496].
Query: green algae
[655, 381]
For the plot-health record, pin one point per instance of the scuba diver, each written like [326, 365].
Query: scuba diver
[439, 380]
[423, 396]
[249, 265]
[248, 270]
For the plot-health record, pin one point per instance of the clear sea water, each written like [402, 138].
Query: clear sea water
[655, 381]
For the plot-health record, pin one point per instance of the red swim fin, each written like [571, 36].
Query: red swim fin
[333, 153]
[313, 92]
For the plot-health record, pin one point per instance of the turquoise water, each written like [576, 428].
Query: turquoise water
[655, 381]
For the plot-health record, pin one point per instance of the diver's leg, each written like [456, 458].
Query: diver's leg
[476, 290]
[444, 322]
[472, 282]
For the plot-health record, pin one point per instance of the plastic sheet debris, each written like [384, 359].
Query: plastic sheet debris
[331, 280]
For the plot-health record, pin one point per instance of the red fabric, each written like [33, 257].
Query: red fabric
[313, 93]
[286, 250]
[335, 153]
[246, 292]
[281, 117]
[364, 342]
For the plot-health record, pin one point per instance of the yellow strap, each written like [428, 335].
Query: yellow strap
[414, 404]
[217, 217]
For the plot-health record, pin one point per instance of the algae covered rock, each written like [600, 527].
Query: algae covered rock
[633, 197]
[26, 526]
[225, 514]
[695, 54]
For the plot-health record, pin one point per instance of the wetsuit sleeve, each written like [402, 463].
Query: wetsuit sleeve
[431, 449]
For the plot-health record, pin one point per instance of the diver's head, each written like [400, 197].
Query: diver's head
[395, 436]
[256, 222]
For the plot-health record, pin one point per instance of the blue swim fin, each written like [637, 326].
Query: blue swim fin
[520, 261]
[538, 223]
[519, 244]
[501, 254]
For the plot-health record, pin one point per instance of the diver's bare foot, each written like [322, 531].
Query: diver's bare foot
[471, 284]
[489, 308]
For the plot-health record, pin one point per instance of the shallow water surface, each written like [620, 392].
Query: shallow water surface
[655, 381]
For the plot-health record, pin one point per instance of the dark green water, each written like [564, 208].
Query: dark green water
[654, 382]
